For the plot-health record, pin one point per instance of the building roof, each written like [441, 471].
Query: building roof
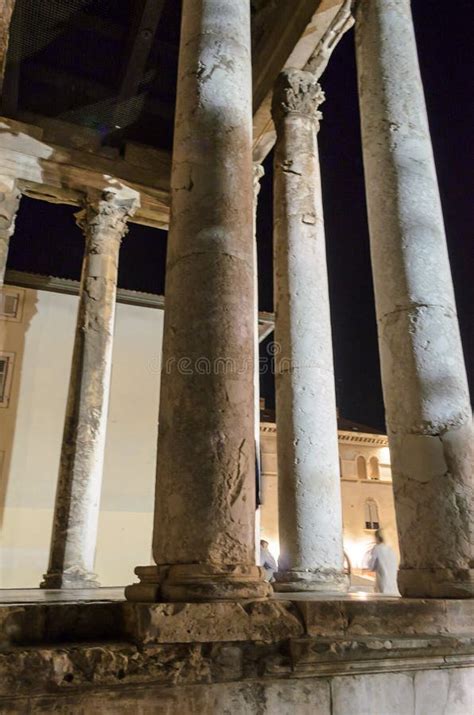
[343, 425]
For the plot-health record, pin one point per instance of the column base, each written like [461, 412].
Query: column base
[198, 582]
[436, 583]
[72, 578]
[315, 580]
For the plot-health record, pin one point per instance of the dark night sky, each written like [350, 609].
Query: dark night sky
[47, 241]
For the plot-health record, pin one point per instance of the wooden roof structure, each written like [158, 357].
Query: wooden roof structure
[89, 88]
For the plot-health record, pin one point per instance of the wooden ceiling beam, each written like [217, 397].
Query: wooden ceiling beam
[147, 15]
[56, 173]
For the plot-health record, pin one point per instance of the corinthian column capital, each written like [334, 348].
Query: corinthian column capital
[297, 92]
[105, 215]
[9, 201]
[258, 172]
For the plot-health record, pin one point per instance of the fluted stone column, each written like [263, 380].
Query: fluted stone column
[424, 380]
[310, 518]
[9, 202]
[204, 537]
[73, 543]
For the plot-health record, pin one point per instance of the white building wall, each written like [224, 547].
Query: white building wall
[31, 430]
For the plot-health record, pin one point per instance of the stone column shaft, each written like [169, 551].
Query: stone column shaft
[204, 532]
[310, 518]
[9, 202]
[73, 543]
[424, 380]
[258, 172]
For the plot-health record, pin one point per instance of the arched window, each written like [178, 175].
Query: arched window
[361, 468]
[371, 512]
[374, 469]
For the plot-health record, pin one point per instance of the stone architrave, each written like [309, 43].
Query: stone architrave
[310, 514]
[423, 375]
[204, 532]
[9, 202]
[73, 542]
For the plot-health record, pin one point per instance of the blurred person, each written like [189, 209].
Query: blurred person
[383, 561]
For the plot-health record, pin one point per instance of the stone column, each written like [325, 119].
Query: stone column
[204, 533]
[9, 202]
[258, 172]
[73, 543]
[310, 517]
[424, 380]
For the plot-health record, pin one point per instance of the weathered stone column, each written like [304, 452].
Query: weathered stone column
[310, 517]
[424, 381]
[258, 172]
[71, 563]
[204, 534]
[9, 202]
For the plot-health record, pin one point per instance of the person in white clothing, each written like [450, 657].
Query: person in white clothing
[267, 561]
[383, 561]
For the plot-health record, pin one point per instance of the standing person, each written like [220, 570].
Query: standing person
[384, 562]
[266, 560]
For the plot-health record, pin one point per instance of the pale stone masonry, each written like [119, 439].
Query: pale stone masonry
[73, 542]
[9, 202]
[204, 532]
[424, 380]
[310, 515]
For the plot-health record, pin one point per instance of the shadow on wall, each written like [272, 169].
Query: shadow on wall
[22, 307]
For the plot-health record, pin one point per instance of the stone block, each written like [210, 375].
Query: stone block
[323, 618]
[386, 617]
[297, 697]
[59, 623]
[381, 694]
[460, 615]
[442, 692]
[269, 698]
[211, 622]
[397, 617]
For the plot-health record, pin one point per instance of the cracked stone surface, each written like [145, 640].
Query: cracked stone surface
[257, 657]
[204, 533]
[310, 523]
[9, 202]
[104, 222]
[428, 412]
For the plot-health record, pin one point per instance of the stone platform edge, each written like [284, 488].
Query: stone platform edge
[263, 621]
[63, 648]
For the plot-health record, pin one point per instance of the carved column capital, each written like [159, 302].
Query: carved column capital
[9, 201]
[105, 215]
[297, 92]
[258, 172]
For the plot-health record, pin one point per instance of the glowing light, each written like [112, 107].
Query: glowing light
[358, 551]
